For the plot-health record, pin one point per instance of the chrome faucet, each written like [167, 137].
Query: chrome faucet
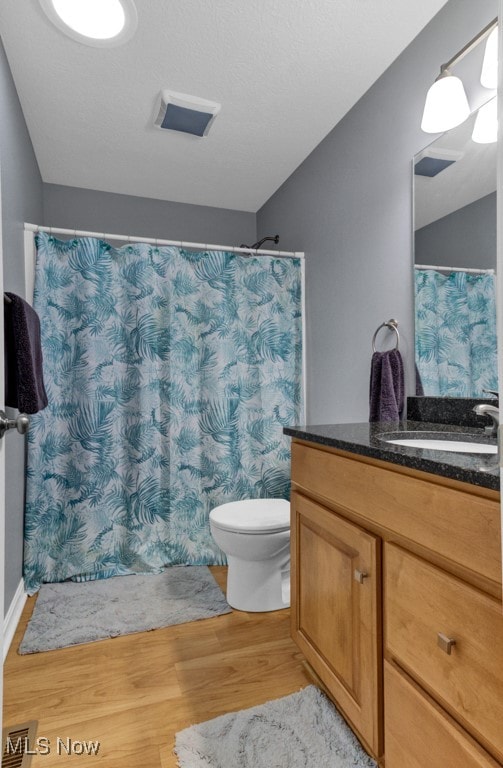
[482, 409]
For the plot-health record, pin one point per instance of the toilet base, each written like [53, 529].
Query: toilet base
[258, 586]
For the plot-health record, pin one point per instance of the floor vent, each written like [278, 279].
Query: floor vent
[18, 745]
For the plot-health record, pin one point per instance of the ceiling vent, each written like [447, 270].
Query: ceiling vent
[432, 161]
[187, 114]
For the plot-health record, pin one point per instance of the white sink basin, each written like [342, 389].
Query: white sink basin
[441, 444]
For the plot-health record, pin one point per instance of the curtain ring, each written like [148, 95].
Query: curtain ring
[393, 326]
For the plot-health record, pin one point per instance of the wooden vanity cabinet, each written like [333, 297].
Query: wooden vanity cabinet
[449, 638]
[420, 734]
[336, 615]
[396, 604]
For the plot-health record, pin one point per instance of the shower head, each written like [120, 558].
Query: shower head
[259, 244]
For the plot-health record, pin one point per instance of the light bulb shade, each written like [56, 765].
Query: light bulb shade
[446, 105]
[98, 23]
[489, 74]
[485, 130]
[100, 19]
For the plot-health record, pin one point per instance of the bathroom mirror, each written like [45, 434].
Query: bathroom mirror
[455, 235]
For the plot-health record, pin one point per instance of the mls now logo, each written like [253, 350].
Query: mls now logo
[43, 746]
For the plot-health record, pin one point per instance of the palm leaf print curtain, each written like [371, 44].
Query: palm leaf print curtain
[456, 353]
[170, 375]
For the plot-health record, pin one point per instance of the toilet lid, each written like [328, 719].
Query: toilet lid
[252, 516]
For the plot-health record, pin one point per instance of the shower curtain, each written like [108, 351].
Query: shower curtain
[456, 352]
[170, 375]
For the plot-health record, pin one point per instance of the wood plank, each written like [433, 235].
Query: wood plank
[133, 693]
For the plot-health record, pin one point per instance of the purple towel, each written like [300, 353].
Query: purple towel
[386, 386]
[24, 381]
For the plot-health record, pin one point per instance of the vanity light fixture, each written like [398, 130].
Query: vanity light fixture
[446, 104]
[99, 23]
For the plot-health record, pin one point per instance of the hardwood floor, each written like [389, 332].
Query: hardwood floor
[132, 694]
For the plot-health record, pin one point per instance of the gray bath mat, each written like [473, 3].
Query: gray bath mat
[71, 613]
[303, 730]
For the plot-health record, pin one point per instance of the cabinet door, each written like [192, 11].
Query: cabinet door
[336, 613]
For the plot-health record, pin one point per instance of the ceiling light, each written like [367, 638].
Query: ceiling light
[489, 75]
[446, 104]
[485, 130]
[94, 22]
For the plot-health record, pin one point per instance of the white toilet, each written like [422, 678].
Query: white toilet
[255, 536]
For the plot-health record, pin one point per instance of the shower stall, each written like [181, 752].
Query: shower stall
[171, 370]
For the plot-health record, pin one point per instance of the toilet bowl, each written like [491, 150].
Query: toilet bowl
[255, 536]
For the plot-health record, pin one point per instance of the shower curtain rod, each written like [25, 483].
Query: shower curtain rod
[156, 241]
[30, 257]
[455, 269]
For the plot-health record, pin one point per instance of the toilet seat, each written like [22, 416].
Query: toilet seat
[254, 535]
[252, 516]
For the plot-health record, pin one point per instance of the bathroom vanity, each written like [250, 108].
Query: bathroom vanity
[396, 591]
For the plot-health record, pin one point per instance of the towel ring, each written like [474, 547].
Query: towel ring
[393, 326]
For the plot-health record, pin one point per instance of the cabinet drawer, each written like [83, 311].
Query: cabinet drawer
[422, 601]
[418, 733]
[438, 518]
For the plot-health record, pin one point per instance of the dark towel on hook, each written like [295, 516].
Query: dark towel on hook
[386, 386]
[24, 381]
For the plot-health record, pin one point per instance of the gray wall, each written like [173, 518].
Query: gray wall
[464, 238]
[21, 201]
[26, 198]
[349, 207]
[75, 208]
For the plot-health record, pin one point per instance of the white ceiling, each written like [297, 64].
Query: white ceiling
[284, 71]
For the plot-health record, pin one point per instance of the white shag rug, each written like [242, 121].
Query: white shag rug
[303, 730]
[70, 613]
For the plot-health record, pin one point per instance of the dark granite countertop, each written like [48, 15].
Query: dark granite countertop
[366, 439]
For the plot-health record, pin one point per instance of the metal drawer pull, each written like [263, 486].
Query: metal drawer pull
[360, 576]
[445, 643]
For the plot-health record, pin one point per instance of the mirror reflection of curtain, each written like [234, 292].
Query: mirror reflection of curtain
[456, 352]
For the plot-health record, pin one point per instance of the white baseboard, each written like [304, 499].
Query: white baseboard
[12, 617]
